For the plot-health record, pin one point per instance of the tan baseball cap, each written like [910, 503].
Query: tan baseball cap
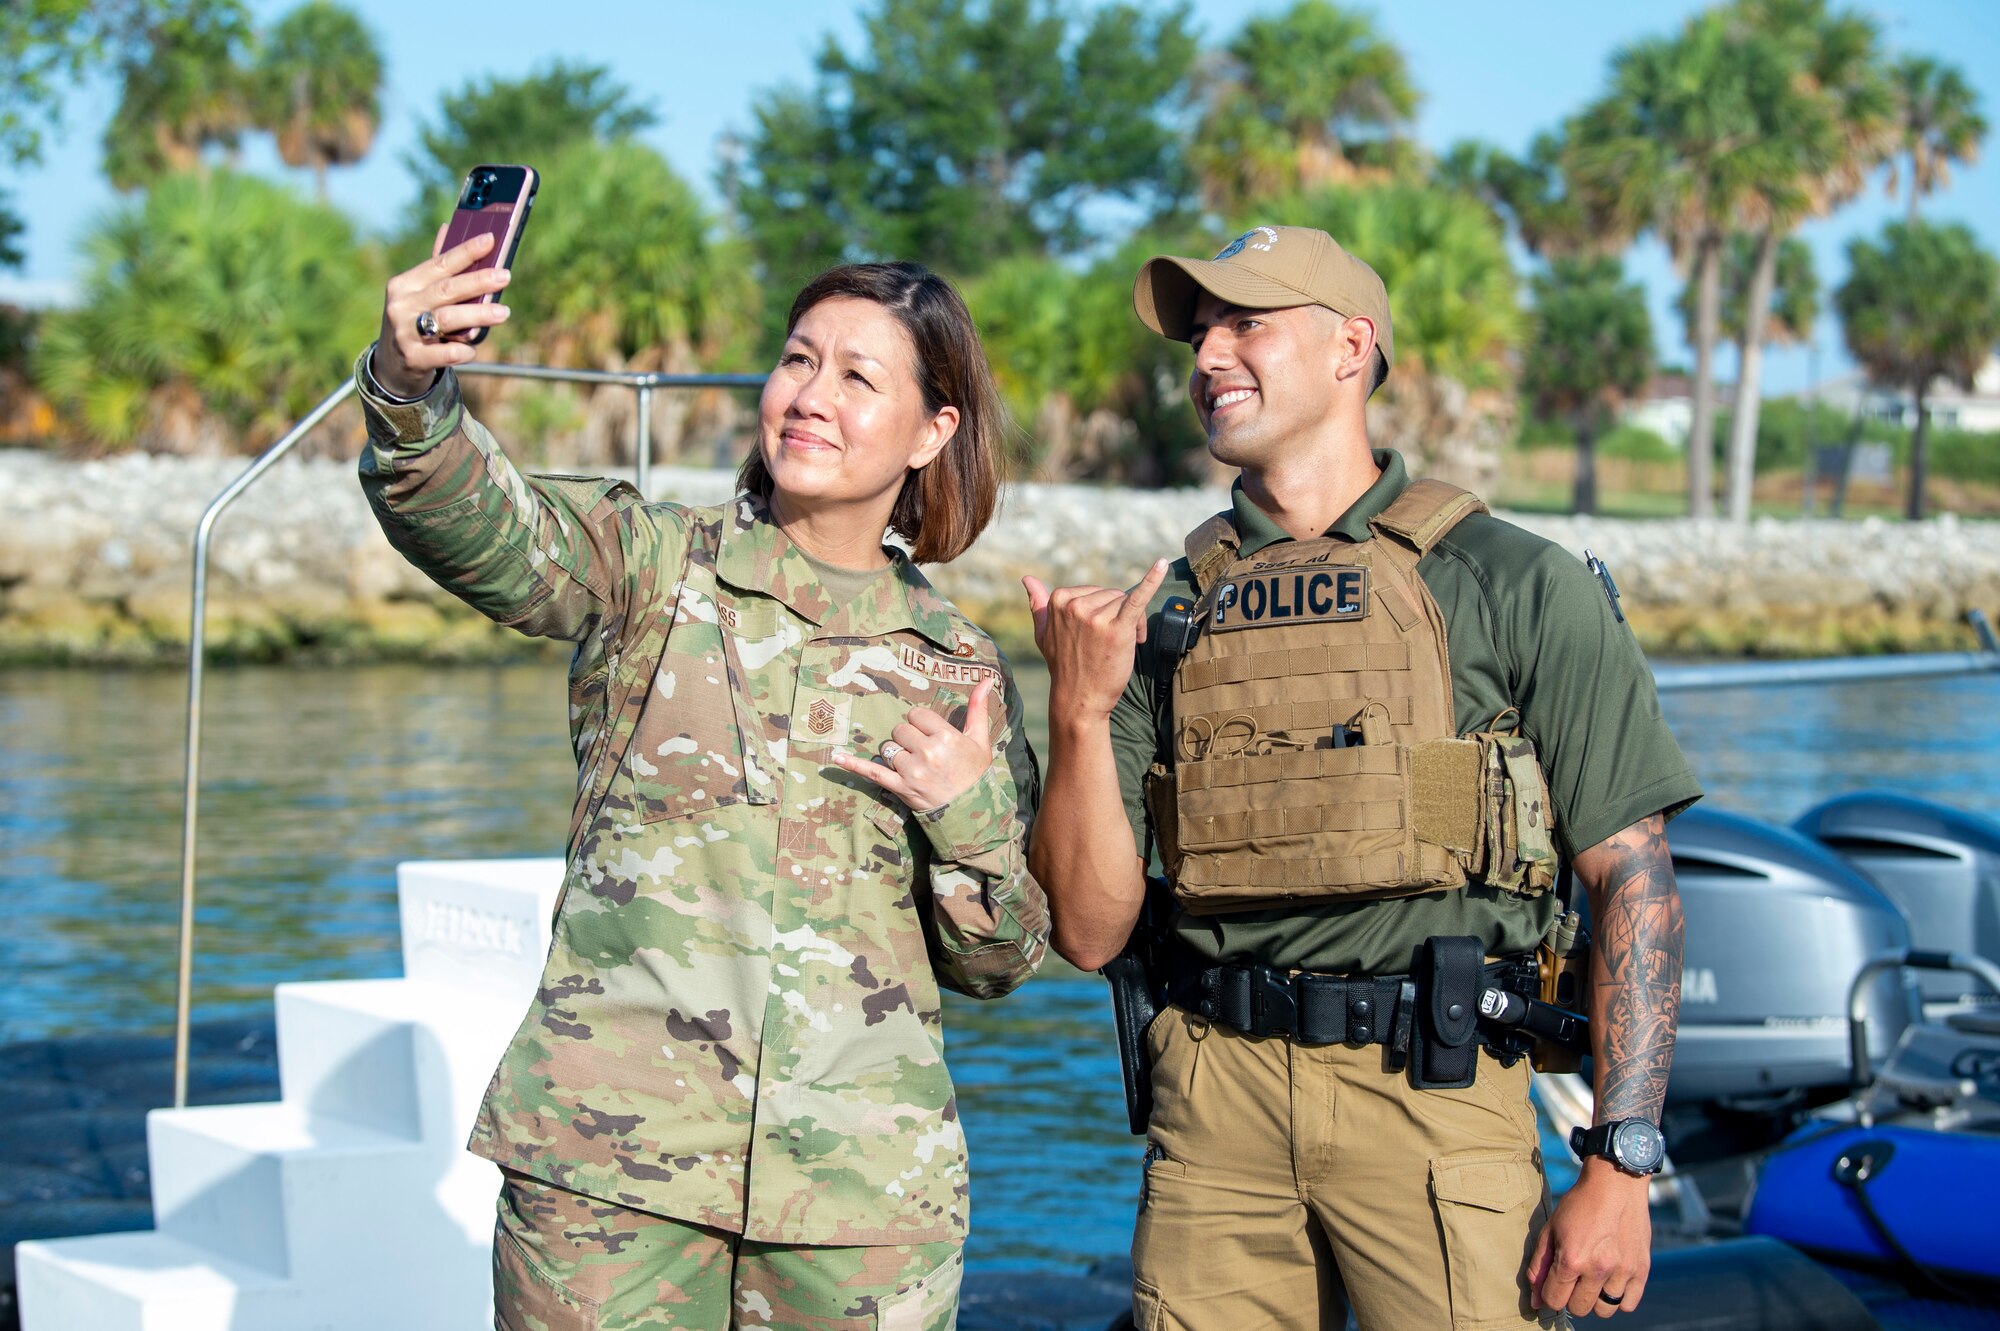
[1265, 268]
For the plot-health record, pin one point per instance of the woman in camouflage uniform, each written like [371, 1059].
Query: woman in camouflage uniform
[803, 797]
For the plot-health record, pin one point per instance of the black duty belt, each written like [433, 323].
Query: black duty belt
[1429, 1021]
[1305, 1006]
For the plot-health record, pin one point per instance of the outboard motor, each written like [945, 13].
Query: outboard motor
[1940, 865]
[1777, 929]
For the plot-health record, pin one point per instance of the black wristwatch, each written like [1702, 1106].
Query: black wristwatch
[1632, 1144]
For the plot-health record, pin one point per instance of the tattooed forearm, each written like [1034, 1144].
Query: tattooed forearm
[1635, 968]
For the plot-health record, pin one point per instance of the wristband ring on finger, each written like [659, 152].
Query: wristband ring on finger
[427, 326]
[890, 750]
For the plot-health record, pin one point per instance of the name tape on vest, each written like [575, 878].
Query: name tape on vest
[1292, 596]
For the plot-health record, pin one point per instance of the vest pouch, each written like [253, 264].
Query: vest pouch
[1305, 824]
[1520, 834]
[687, 754]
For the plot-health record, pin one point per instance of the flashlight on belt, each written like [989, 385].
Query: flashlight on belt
[1542, 1020]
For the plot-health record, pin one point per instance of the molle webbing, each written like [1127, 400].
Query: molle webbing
[1315, 753]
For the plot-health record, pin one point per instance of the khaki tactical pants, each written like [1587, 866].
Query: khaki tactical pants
[1279, 1176]
[566, 1262]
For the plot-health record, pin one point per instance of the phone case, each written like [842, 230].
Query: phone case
[495, 200]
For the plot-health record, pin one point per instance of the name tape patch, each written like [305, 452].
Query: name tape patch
[952, 671]
[1291, 596]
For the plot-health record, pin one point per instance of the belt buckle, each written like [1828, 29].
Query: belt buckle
[1274, 1008]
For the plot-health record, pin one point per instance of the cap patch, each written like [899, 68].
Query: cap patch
[1256, 238]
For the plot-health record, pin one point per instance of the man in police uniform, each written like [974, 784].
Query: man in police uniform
[1392, 697]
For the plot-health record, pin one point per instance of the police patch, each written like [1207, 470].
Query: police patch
[1291, 596]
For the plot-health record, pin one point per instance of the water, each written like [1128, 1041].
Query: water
[319, 781]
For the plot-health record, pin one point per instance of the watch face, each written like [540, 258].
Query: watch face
[1638, 1146]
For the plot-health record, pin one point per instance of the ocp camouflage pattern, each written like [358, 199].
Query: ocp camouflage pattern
[739, 1021]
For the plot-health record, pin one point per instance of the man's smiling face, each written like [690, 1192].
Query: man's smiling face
[1261, 377]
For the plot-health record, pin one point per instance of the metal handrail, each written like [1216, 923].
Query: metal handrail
[642, 382]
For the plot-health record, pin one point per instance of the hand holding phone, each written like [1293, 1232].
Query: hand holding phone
[434, 314]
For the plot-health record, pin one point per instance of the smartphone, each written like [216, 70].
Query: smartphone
[496, 201]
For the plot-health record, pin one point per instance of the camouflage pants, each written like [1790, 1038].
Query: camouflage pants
[566, 1262]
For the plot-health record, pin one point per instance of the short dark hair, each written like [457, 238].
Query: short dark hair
[943, 508]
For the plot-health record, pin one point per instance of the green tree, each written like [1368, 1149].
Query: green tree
[1687, 144]
[1589, 348]
[1922, 305]
[525, 120]
[11, 227]
[1938, 123]
[318, 85]
[215, 312]
[662, 289]
[1831, 103]
[962, 132]
[1093, 393]
[184, 87]
[1312, 97]
[1529, 193]
[661, 285]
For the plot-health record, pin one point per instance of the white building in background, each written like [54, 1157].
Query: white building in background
[1666, 407]
[1951, 407]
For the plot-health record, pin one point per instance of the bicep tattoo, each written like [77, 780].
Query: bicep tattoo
[1635, 967]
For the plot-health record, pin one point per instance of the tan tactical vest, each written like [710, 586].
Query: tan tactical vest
[1315, 755]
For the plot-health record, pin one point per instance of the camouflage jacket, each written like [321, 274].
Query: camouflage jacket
[739, 1021]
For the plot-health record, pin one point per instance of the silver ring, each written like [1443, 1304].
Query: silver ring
[427, 326]
[890, 750]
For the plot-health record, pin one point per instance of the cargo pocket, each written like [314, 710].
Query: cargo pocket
[1149, 1310]
[931, 1304]
[526, 1297]
[687, 752]
[1488, 1208]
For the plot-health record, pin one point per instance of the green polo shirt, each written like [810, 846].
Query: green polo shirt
[1528, 627]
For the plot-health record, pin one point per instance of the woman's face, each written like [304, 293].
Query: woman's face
[842, 420]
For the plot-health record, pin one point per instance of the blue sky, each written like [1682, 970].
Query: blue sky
[1491, 71]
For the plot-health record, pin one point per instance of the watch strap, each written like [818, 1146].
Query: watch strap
[1592, 1141]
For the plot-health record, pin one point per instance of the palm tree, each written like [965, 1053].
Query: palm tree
[1589, 348]
[1826, 99]
[1939, 123]
[1530, 192]
[1705, 134]
[185, 91]
[319, 85]
[1922, 305]
[215, 312]
[1794, 302]
[1304, 99]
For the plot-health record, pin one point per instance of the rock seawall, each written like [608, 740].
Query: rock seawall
[94, 566]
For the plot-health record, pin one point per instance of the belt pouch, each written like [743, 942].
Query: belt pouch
[1447, 1054]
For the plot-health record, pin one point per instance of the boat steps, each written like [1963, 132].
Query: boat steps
[350, 1203]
